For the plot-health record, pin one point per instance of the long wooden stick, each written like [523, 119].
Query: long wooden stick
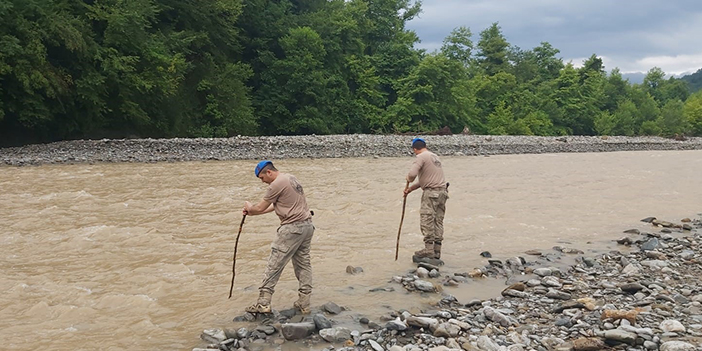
[236, 245]
[399, 230]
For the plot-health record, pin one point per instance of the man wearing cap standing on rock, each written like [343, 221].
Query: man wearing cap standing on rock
[286, 196]
[430, 177]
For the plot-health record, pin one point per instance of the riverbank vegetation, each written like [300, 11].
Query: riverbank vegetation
[217, 68]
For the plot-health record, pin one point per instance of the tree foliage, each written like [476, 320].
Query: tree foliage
[165, 68]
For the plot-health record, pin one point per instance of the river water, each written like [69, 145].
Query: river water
[138, 256]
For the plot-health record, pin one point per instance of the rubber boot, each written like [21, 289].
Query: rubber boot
[427, 251]
[437, 249]
[263, 305]
[303, 303]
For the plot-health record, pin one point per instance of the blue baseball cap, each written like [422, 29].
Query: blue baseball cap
[418, 139]
[260, 166]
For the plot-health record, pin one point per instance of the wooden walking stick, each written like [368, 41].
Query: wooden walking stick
[236, 244]
[399, 230]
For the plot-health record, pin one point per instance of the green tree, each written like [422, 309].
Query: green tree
[458, 45]
[646, 105]
[537, 123]
[579, 93]
[616, 89]
[693, 113]
[625, 119]
[493, 50]
[672, 120]
[605, 123]
[674, 89]
[116, 68]
[294, 88]
[434, 95]
[490, 92]
[500, 120]
[653, 82]
[649, 128]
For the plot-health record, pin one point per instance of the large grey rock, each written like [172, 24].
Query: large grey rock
[588, 344]
[266, 329]
[331, 308]
[447, 330]
[486, 344]
[321, 322]
[652, 244]
[423, 285]
[515, 263]
[423, 322]
[460, 324]
[567, 305]
[677, 346]
[672, 326]
[354, 270]
[496, 317]
[686, 254]
[631, 288]
[650, 345]
[296, 331]
[551, 281]
[374, 344]
[434, 262]
[213, 336]
[336, 334]
[514, 293]
[242, 333]
[658, 264]
[631, 269]
[557, 294]
[620, 336]
[543, 272]
[453, 344]
[396, 324]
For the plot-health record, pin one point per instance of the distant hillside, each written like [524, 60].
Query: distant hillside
[634, 77]
[694, 80]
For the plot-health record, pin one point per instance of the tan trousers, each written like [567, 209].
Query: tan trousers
[292, 242]
[431, 214]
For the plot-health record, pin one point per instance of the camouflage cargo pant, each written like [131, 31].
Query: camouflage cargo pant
[292, 243]
[431, 214]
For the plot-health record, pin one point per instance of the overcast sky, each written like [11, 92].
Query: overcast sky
[634, 35]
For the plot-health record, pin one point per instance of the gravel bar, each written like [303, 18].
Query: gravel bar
[320, 146]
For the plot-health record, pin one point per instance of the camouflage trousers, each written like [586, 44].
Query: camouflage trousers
[431, 214]
[292, 243]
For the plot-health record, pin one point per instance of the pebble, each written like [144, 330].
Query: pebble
[585, 306]
[320, 146]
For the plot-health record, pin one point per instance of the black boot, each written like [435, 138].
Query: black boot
[427, 251]
[437, 249]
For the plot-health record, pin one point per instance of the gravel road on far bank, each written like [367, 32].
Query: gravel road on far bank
[319, 146]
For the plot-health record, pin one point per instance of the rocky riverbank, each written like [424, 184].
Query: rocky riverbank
[645, 296]
[314, 146]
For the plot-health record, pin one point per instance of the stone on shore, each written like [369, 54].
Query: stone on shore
[296, 331]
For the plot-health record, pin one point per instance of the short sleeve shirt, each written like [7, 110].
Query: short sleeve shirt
[288, 199]
[427, 166]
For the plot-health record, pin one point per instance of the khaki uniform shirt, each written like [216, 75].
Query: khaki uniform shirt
[428, 167]
[288, 199]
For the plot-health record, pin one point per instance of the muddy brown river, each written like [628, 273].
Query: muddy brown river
[138, 256]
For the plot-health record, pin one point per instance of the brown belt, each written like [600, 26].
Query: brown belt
[439, 188]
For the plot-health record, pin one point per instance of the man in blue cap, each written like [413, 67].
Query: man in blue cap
[286, 197]
[430, 177]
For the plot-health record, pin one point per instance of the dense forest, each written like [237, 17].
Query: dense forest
[216, 68]
[694, 80]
